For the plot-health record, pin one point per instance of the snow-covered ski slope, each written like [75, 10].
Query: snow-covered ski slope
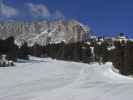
[47, 79]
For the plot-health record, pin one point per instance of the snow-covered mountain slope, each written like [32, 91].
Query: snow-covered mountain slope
[47, 79]
[43, 32]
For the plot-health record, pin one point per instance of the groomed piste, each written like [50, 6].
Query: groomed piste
[49, 79]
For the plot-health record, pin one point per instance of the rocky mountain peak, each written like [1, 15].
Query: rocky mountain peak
[45, 32]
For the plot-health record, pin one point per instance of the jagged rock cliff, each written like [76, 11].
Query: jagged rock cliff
[44, 32]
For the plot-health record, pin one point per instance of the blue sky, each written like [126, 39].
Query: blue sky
[105, 17]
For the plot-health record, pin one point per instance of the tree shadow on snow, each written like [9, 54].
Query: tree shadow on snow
[30, 61]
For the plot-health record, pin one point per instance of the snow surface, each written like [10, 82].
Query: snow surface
[47, 79]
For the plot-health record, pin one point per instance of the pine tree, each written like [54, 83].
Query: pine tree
[23, 51]
[12, 49]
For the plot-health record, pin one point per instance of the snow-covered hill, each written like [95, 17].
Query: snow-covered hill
[47, 79]
[44, 32]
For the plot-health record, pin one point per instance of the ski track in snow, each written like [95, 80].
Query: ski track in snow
[47, 79]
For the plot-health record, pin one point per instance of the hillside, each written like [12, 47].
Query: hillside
[39, 79]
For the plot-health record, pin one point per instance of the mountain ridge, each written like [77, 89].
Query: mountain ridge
[45, 32]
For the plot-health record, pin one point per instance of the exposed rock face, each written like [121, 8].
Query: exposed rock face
[44, 32]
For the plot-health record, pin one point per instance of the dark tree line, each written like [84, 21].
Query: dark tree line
[80, 51]
[121, 56]
[71, 52]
